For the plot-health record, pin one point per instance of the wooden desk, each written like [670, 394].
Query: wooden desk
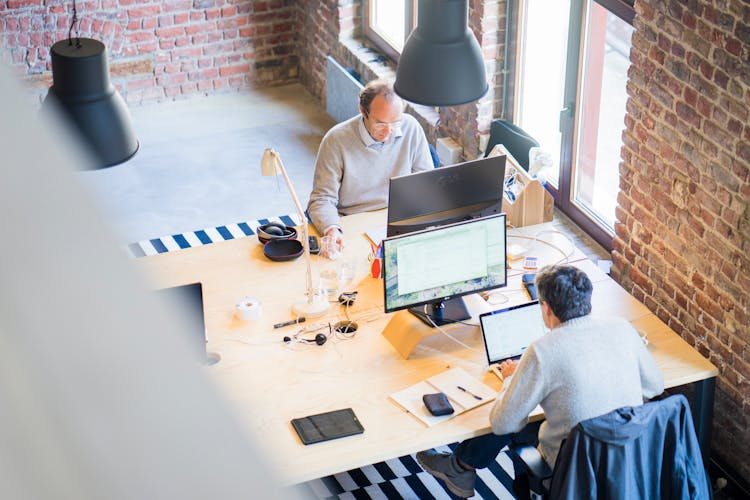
[269, 382]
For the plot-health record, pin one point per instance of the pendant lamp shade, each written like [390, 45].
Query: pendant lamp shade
[441, 64]
[82, 91]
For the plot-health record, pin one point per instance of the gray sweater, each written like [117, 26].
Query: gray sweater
[352, 169]
[583, 368]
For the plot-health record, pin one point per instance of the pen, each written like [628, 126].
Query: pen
[469, 392]
[290, 322]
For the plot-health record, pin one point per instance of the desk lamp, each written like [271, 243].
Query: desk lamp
[314, 306]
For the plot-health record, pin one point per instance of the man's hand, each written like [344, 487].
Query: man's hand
[508, 367]
[332, 243]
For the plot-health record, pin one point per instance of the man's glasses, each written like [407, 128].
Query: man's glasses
[383, 126]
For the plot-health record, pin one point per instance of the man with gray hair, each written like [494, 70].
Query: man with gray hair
[583, 368]
[357, 157]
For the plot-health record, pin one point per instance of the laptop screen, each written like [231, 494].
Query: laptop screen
[188, 299]
[508, 332]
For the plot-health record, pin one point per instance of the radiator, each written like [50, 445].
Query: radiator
[342, 92]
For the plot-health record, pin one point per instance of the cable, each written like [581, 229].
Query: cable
[488, 296]
[454, 339]
[566, 255]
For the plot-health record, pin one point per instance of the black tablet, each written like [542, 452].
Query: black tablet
[329, 425]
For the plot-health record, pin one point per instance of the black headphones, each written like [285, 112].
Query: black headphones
[275, 229]
[319, 339]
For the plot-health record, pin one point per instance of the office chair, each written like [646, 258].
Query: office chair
[514, 138]
[648, 451]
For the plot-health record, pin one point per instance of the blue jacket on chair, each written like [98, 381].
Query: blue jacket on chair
[648, 451]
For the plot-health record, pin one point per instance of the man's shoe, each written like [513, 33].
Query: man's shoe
[445, 467]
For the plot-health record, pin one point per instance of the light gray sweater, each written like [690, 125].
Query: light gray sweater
[583, 368]
[352, 169]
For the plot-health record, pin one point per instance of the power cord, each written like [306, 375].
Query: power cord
[454, 339]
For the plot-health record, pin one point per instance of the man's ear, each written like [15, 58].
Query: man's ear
[363, 111]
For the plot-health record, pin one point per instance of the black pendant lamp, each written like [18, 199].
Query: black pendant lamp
[82, 91]
[441, 64]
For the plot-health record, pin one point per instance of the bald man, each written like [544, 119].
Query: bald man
[357, 158]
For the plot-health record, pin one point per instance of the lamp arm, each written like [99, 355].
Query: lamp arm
[303, 219]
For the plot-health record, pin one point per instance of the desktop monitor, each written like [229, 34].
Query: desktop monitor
[445, 195]
[429, 271]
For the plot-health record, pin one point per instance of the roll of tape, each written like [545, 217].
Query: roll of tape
[248, 308]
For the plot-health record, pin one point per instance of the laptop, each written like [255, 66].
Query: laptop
[189, 300]
[508, 332]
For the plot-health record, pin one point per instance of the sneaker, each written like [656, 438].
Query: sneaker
[444, 466]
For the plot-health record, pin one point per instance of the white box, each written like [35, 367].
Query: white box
[448, 150]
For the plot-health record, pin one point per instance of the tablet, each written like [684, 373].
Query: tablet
[329, 425]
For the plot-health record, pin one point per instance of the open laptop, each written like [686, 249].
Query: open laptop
[189, 301]
[508, 332]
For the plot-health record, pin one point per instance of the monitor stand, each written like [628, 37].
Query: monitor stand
[443, 312]
[404, 331]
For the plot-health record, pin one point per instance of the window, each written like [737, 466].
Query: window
[388, 24]
[570, 80]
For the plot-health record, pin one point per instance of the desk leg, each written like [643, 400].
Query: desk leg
[703, 414]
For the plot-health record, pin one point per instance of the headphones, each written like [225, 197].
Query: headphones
[275, 229]
[319, 339]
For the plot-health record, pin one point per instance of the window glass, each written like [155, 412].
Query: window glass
[602, 113]
[541, 73]
[388, 20]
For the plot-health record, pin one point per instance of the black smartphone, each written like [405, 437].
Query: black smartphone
[329, 425]
[313, 242]
[528, 283]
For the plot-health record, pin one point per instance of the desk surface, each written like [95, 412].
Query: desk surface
[269, 382]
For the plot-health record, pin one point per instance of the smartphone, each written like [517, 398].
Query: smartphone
[528, 283]
[313, 242]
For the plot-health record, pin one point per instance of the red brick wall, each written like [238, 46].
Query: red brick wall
[159, 49]
[683, 236]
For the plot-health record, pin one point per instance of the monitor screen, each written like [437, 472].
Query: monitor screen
[428, 271]
[445, 195]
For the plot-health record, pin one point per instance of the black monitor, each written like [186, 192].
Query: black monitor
[445, 195]
[429, 271]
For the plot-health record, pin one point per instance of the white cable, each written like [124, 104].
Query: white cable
[454, 339]
[566, 255]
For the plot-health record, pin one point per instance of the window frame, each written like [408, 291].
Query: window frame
[371, 34]
[569, 119]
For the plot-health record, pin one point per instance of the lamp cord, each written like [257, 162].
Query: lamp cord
[74, 22]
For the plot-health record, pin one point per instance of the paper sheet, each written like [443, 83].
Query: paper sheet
[447, 382]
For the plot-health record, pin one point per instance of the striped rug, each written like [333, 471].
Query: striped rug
[396, 478]
[205, 236]
[403, 478]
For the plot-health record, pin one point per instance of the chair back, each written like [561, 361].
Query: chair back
[648, 451]
[514, 138]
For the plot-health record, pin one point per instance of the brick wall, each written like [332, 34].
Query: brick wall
[159, 49]
[683, 236]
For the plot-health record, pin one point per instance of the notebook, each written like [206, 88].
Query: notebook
[508, 332]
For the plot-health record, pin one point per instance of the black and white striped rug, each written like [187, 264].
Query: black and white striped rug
[403, 478]
[396, 478]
